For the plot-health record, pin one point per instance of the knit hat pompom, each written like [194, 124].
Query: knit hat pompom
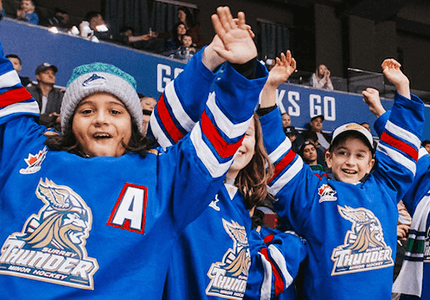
[100, 78]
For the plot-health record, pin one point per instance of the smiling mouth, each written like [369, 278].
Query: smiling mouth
[102, 136]
[349, 172]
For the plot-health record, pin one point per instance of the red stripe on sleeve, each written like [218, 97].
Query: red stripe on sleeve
[268, 238]
[221, 146]
[396, 143]
[285, 161]
[167, 121]
[14, 96]
[279, 283]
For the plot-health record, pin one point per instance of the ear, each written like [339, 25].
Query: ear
[371, 164]
[37, 77]
[328, 158]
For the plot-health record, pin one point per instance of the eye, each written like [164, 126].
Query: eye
[86, 111]
[115, 112]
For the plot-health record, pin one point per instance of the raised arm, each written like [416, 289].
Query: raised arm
[184, 99]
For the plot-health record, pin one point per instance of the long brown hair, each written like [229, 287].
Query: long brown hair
[252, 179]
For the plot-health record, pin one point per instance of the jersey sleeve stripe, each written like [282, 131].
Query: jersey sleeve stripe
[167, 121]
[398, 158]
[14, 96]
[21, 107]
[266, 285]
[279, 183]
[280, 150]
[9, 79]
[282, 164]
[221, 146]
[162, 138]
[215, 168]
[279, 283]
[279, 259]
[400, 145]
[177, 108]
[230, 129]
[402, 133]
[268, 238]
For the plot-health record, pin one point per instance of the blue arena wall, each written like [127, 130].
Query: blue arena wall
[36, 45]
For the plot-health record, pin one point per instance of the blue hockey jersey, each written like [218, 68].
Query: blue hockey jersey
[414, 280]
[102, 227]
[213, 251]
[350, 229]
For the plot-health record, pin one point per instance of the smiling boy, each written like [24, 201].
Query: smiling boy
[350, 222]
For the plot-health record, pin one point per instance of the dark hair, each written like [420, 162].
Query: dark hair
[189, 19]
[252, 179]
[350, 134]
[67, 142]
[425, 142]
[186, 34]
[14, 56]
[91, 14]
[175, 37]
[125, 28]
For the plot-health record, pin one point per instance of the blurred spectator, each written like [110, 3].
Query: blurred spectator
[149, 41]
[286, 120]
[426, 145]
[93, 27]
[175, 41]
[296, 141]
[17, 65]
[60, 20]
[312, 137]
[47, 96]
[186, 51]
[147, 104]
[26, 13]
[366, 125]
[321, 78]
[316, 125]
[191, 26]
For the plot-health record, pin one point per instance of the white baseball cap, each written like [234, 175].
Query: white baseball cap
[353, 127]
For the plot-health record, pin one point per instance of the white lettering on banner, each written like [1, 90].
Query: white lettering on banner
[329, 108]
[294, 110]
[314, 110]
[329, 104]
[164, 73]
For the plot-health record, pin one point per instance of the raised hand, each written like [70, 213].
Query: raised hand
[371, 98]
[391, 70]
[284, 67]
[238, 45]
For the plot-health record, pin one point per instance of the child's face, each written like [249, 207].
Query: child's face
[350, 160]
[27, 5]
[187, 41]
[245, 153]
[15, 63]
[100, 124]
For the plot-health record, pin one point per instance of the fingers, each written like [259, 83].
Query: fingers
[390, 63]
[226, 18]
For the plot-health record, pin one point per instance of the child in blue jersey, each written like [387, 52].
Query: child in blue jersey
[91, 213]
[213, 250]
[413, 281]
[349, 223]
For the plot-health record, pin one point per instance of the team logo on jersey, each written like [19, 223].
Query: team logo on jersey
[364, 248]
[34, 161]
[326, 193]
[214, 203]
[229, 277]
[51, 246]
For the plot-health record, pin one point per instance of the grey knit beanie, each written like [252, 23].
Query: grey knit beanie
[100, 77]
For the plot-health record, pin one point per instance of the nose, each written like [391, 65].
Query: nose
[100, 118]
[350, 161]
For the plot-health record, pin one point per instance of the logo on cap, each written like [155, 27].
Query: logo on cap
[94, 80]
